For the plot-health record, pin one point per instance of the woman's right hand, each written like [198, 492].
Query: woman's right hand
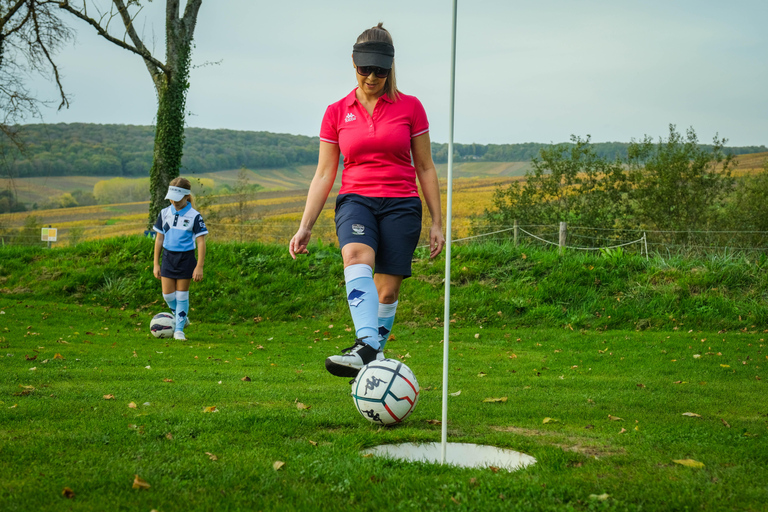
[156, 271]
[299, 242]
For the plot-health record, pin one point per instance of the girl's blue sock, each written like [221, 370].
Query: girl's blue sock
[182, 306]
[170, 299]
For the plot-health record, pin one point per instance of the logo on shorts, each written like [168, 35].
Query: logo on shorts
[358, 229]
[350, 117]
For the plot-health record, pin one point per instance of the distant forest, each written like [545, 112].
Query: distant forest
[125, 150]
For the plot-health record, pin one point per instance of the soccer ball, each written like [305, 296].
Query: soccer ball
[385, 392]
[162, 325]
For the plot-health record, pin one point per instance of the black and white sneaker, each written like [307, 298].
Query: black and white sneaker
[352, 359]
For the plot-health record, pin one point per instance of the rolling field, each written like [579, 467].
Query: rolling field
[272, 216]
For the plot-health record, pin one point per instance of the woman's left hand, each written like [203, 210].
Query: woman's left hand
[197, 274]
[436, 241]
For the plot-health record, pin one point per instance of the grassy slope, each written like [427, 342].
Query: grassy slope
[493, 285]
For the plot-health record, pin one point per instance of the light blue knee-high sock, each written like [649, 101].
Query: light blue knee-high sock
[363, 300]
[182, 306]
[170, 299]
[386, 320]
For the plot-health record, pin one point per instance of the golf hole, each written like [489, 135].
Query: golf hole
[465, 455]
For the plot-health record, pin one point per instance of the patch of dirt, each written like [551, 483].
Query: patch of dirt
[585, 446]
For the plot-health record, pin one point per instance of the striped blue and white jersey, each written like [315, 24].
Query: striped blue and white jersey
[180, 228]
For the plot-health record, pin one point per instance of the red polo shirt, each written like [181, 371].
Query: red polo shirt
[377, 150]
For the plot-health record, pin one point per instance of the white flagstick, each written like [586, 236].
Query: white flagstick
[448, 213]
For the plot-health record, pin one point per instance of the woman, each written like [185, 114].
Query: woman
[380, 131]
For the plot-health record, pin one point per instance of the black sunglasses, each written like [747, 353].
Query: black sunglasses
[367, 70]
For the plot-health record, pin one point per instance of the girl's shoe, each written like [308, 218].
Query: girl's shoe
[179, 335]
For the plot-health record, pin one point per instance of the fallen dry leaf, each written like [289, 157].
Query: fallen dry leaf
[68, 493]
[689, 463]
[615, 418]
[278, 465]
[481, 374]
[167, 380]
[246, 379]
[456, 393]
[211, 408]
[550, 420]
[725, 423]
[58, 356]
[211, 456]
[109, 397]
[132, 405]
[30, 358]
[622, 431]
[601, 497]
[169, 436]
[502, 399]
[140, 483]
[313, 443]
[513, 356]
[692, 414]
[434, 422]
[300, 406]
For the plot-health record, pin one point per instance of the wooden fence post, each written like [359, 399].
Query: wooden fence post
[563, 230]
[515, 232]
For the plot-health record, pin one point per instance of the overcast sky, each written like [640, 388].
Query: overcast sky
[525, 71]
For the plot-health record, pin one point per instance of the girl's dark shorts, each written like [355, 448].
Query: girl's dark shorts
[178, 265]
[391, 226]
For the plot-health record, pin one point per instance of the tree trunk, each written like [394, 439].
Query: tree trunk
[169, 132]
[171, 86]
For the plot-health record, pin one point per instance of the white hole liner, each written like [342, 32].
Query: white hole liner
[466, 455]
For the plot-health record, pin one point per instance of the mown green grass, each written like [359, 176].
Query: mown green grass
[525, 328]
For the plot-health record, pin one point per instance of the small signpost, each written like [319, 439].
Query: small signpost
[49, 235]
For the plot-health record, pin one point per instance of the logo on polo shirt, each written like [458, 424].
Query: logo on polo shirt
[186, 223]
[350, 117]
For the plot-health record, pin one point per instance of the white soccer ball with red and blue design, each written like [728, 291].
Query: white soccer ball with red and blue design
[385, 392]
[162, 325]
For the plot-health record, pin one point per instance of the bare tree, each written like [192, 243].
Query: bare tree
[170, 78]
[31, 33]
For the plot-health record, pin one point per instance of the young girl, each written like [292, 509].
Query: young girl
[178, 227]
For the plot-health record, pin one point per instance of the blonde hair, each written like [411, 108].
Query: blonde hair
[379, 33]
[183, 183]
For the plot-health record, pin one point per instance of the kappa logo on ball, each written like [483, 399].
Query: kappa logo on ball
[358, 229]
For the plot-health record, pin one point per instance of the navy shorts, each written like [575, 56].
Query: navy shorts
[178, 265]
[391, 226]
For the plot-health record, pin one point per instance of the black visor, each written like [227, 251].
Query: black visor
[373, 53]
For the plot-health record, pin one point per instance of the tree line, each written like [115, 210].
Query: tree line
[81, 149]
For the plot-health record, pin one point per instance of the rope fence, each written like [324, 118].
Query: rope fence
[563, 236]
